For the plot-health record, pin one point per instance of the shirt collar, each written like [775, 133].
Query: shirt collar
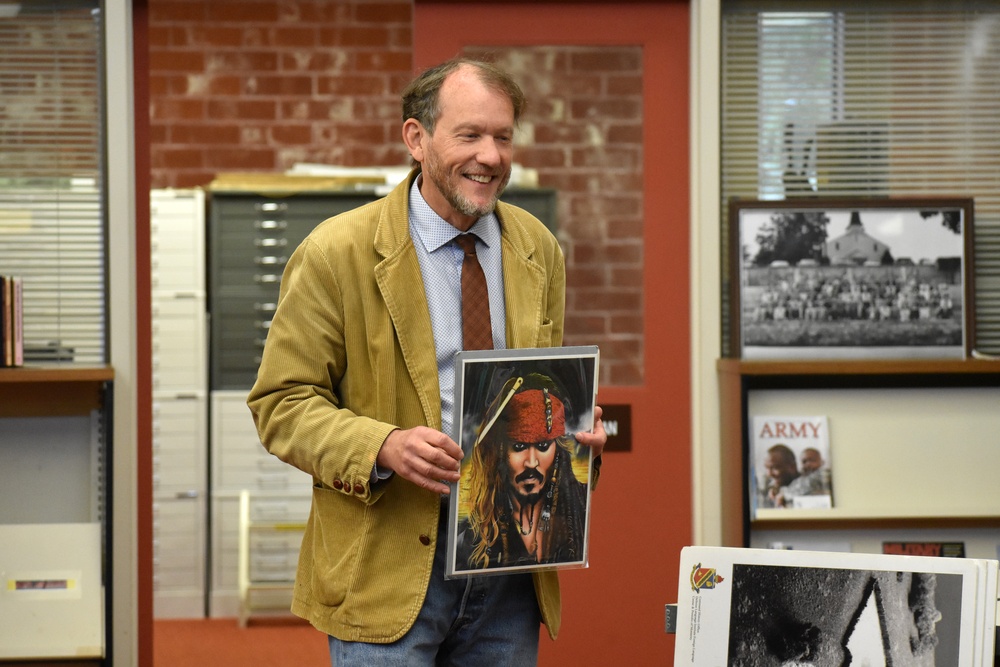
[435, 232]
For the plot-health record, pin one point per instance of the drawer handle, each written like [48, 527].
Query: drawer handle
[270, 224]
[270, 260]
[271, 206]
[266, 278]
[270, 243]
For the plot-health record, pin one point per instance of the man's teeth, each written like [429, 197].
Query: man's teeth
[479, 179]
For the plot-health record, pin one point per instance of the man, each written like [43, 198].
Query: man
[815, 474]
[528, 508]
[356, 381]
[782, 470]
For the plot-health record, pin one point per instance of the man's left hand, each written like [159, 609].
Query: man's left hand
[598, 438]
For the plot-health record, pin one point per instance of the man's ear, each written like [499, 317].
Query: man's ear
[414, 136]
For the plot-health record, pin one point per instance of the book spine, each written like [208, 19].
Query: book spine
[6, 328]
[18, 321]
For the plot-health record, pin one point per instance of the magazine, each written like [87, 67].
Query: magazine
[784, 608]
[523, 498]
[790, 463]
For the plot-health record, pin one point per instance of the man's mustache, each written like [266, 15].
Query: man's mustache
[530, 473]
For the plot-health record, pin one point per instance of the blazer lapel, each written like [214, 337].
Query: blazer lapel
[402, 287]
[524, 283]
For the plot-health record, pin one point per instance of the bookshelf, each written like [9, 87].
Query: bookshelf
[913, 444]
[55, 435]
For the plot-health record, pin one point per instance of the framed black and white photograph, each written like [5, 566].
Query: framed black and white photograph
[523, 498]
[851, 278]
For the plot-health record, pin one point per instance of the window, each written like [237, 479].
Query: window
[867, 100]
[52, 221]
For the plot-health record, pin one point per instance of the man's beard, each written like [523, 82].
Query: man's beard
[532, 497]
[444, 182]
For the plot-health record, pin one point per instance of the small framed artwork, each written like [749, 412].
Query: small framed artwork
[522, 502]
[851, 278]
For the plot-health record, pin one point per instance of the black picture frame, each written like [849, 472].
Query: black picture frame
[851, 278]
[541, 395]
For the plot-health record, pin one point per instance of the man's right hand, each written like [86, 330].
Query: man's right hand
[428, 458]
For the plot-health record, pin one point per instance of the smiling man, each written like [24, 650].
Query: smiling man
[356, 385]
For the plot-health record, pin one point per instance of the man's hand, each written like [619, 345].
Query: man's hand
[426, 457]
[598, 438]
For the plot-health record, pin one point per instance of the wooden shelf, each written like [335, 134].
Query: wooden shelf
[859, 368]
[52, 390]
[739, 378]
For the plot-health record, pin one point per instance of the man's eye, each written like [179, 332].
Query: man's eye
[520, 446]
[543, 446]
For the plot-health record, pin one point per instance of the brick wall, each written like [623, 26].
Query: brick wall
[258, 85]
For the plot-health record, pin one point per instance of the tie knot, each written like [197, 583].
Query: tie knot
[467, 242]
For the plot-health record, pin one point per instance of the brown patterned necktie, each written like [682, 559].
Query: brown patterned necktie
[477, 333]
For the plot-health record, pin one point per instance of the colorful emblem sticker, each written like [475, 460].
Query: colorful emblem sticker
[704, 577]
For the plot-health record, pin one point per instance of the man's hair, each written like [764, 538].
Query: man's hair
[785, 453]
[489, 476]
[421, 97]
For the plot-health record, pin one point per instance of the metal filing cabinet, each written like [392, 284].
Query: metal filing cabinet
[180, 402]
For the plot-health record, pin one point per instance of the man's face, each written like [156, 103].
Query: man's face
[780, 469]
[466, 162]
[530, 466]
[811, 460]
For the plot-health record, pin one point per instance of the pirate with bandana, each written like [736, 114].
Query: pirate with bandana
[527, 507]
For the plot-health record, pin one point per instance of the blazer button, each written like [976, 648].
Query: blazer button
[424, 540]
[337, 484]
[359, 490]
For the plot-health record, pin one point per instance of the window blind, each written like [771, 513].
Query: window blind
[52, 228]
[869, 100]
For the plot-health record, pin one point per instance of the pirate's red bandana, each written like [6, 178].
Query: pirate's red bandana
[535, 415]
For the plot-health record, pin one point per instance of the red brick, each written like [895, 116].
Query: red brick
[241, 11]
[607, 157]
[286, 86]
[204, 134]
[373, 37]
[382, 61]
[384, 12]
[240, 159]
[539, 157]
[608, 109]
[607, 59]
[241, 110]
[177, 109]
[166, 11]
[176, 61]
[625, 133]
[290, 134]
[351, 84]
[300, 37]
[588, 325]
[215, 36]
[176, 158]
[629, 84]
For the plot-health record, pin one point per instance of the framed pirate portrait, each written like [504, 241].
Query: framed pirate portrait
[522, 501]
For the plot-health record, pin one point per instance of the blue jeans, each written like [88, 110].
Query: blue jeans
[491, 621]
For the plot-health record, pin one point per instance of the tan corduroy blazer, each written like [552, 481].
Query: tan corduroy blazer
[349, 357]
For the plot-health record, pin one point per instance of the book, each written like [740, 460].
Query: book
[775, 607]
[790, 463]
[11, 321]
[522, 502]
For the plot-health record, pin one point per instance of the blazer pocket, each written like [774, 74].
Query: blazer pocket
[545, 334]
[338, 524]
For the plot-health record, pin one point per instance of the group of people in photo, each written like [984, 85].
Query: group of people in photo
[850, 297]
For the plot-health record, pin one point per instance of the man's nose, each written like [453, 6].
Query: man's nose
[489, 152]
[532, 458]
